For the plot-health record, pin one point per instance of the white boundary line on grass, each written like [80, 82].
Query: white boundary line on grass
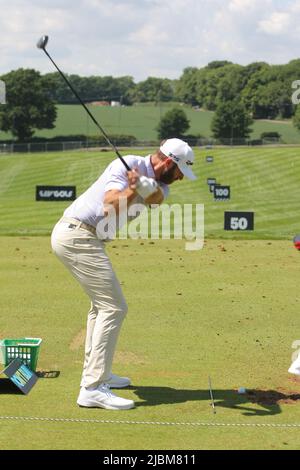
[155, 423]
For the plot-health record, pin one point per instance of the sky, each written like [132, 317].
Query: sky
[143, 38]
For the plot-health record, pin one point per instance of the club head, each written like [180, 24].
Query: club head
[42, 42]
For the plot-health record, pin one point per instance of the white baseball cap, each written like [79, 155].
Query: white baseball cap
[182, 154]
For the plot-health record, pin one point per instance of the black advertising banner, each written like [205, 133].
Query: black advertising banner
[55, 193]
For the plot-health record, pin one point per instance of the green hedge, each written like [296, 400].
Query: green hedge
[117, 139]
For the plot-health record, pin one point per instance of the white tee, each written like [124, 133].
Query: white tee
[88, 207]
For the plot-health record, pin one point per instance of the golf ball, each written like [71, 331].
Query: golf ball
[242, 390]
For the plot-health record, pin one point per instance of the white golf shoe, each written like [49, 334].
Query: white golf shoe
[115, 381]
[102, 397]
[295, 367]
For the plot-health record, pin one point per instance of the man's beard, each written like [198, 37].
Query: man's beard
[167, 176]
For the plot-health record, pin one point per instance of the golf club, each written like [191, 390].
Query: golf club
[41, 44]
[212, 404]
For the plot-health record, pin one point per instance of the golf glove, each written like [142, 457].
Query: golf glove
[146, 186]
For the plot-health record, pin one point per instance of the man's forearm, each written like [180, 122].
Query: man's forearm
[113, 198]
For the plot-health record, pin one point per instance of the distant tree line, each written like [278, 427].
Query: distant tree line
[265, 90]
[238, 94]
[109, 88]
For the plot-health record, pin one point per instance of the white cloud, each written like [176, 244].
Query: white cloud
[295, 7]
[277, 23]
[242, 5]
[146, 37]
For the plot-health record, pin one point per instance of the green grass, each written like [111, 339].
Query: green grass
[141, 121]
[198, 316]
[263, 180]
[289, 134]
[229, 311]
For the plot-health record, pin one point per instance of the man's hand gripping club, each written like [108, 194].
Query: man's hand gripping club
[146, 187]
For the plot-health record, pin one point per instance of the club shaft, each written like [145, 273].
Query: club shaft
[211, 395]
[88, 111]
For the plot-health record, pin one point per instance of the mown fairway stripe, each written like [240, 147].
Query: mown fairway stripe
[155, 423]
[265, 180]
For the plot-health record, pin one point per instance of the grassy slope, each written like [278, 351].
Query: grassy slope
[141, 121]
[205, 320]
[264, 180]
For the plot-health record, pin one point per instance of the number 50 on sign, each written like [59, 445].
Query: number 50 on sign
[238, 220]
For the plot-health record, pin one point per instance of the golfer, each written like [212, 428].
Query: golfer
[78, 239]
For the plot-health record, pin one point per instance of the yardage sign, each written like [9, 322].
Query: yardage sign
[211, 181]
[55, 193]
[238, 220]
[209, 159]
[212, 186]
[221, 193]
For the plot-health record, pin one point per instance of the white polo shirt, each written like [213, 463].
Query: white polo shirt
[88, 207]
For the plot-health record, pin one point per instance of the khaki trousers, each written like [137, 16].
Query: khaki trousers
[84, 256]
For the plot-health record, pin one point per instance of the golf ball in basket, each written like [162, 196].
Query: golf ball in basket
[242, 390]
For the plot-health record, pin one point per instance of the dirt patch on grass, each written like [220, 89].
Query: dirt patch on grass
[121, 357]
[128, 357]
[274, 397]
[295, 379]
[78, 340]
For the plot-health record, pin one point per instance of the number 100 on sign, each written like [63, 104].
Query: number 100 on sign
[239, 221]
[221, 193]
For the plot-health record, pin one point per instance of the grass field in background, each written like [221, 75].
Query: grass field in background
[141, 121]
[229, 311]
[263, 180]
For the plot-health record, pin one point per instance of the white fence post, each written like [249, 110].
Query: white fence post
[2, 92]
